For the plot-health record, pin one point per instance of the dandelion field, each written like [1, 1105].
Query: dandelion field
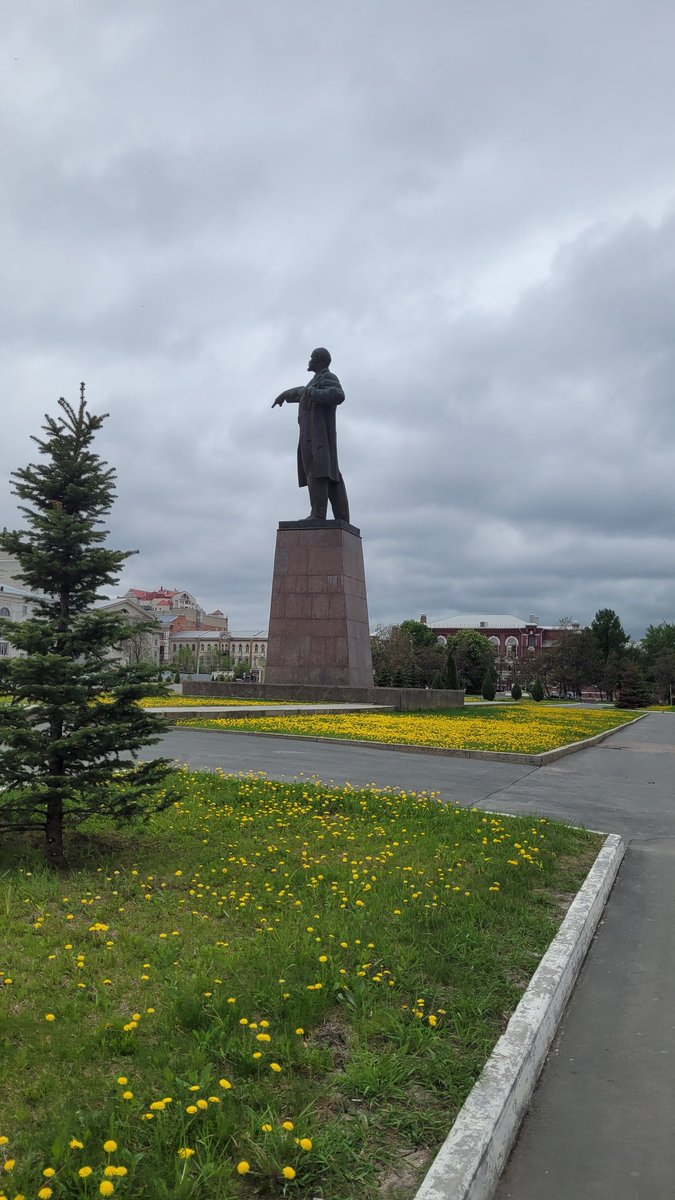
[522, 728]
[271, 989]
[177, 701]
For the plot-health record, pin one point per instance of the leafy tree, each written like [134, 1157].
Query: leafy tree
[608, 633]
[473, 654]
[658, 647]
[185, 660]
[419, 633]
[409, 652]
[66, 754]
[573, 662]
[610, 673]
[658, 641]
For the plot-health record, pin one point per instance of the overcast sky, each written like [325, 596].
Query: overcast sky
[471, 205]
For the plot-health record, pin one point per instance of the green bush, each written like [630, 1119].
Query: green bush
[516, 691]
[488, 688]
[537, 692]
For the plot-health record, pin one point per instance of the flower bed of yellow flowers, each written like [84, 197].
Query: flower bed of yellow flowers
[517, 728]
[174, 701]
[270, 989]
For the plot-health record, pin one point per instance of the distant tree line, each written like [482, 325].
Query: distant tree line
[601, 656]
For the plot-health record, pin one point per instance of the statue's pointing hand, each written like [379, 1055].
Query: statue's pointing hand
[279, 400]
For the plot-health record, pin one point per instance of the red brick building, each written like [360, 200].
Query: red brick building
[511, 636]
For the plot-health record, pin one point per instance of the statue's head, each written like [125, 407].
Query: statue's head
[319, 359]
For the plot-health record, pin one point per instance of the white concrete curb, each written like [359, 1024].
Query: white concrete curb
[469, 1163]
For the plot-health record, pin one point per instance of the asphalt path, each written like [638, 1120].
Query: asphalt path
[602, 1121]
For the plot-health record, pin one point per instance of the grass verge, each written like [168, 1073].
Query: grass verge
[523, 728]
[273, 989]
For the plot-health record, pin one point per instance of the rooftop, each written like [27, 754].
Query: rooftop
[480, 621]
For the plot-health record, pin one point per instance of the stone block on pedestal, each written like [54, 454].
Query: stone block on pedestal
[318, 631]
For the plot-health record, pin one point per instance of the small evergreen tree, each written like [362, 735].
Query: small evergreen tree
[438, 681]
[516, 691]
[634, 691]
[537, 692]
[451, 680]
[488, 687]
[72, 732]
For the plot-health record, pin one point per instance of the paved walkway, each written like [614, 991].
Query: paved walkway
[602, 1121]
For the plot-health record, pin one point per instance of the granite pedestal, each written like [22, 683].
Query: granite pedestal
[318, 632]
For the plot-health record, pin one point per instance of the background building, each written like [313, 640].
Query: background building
[16, 604]
[512, 637]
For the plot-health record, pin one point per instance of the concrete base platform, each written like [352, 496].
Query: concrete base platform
[407, 699]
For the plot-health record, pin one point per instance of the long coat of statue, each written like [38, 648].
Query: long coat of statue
[317, 444]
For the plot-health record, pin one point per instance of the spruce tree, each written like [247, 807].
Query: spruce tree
[537, 690]
[489, 686]
[451, 681]
[634, 691]
[71, 734]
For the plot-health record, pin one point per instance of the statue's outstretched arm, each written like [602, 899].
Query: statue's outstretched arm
[291, 396]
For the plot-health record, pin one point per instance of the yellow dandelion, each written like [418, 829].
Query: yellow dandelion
[110, 1146]
[288, 1173]
[185, 1152]
[243, 1167]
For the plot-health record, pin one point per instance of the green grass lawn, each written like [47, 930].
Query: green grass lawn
[271, 989]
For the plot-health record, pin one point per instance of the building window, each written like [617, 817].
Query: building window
[4, 649]
[4, 612]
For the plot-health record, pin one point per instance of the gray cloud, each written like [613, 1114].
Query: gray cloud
[475, 210]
